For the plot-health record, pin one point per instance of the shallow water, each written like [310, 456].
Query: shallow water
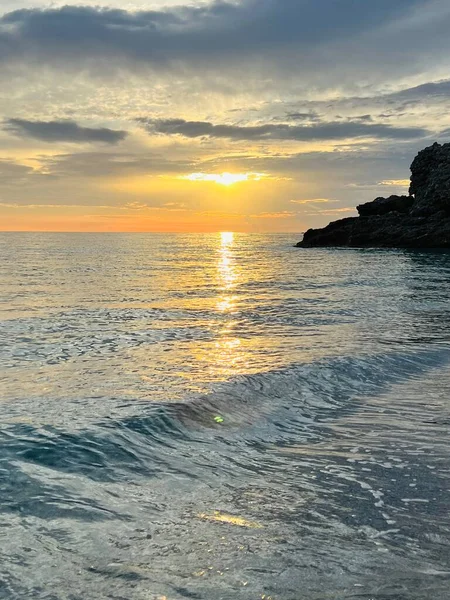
[222, 417]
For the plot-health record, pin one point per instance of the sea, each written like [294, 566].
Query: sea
[222, 417]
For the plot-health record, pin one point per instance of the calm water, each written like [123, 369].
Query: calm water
[222, 417]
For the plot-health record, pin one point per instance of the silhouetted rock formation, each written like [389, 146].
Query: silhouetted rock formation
[420, 220]
[383, 206]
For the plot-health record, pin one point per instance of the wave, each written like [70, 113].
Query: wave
[274, 407]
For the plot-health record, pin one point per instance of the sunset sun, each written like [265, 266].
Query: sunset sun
[226, 179]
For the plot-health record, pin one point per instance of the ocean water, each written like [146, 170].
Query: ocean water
[222, 417]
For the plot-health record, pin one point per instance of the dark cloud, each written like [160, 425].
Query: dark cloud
[364, 118]
[303, 116]
[433, 90]
[321, 131]
[372, 108]
[186, 34]
[62, 131]
[111, 164]
[13, 173]
[436, 89]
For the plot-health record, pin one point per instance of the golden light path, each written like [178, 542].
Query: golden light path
[224, 178]
[226, 268]
[229, 355]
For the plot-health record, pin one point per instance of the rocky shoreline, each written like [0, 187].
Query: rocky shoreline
[420, 220]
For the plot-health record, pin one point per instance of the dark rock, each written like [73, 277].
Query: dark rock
[430, 180]
[420, 220]
[337, 233]
[383, 206]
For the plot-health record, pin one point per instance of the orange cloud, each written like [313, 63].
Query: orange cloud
[312, 201]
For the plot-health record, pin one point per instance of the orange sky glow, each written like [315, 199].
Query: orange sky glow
[116, 128]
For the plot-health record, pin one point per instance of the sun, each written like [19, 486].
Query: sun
[230, 178]
[226, 179]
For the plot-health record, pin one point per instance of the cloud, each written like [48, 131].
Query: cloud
[62, 131]
[410, 105]
[40, 206]
[312, 201]
[321, 131]
[396, 182]
[219, 30]
[285, 214]
[111, 164]
[48, 172]
[337, 211]
[303, 116]
[354, 164]
[434, 89]
[13, 173]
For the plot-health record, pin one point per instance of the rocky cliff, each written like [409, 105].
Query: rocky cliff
[420, 220]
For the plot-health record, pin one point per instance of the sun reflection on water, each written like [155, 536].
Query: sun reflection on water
[227, 237]
[228, 352]
[227, 272]
[226, 266]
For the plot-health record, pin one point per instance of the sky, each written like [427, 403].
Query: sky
[238, 115]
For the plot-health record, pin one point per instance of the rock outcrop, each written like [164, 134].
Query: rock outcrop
[383, 206]
[420, 220]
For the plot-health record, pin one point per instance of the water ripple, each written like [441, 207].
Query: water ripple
[222, 417]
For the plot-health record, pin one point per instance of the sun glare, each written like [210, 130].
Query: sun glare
[224, 178]
[227, 238]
